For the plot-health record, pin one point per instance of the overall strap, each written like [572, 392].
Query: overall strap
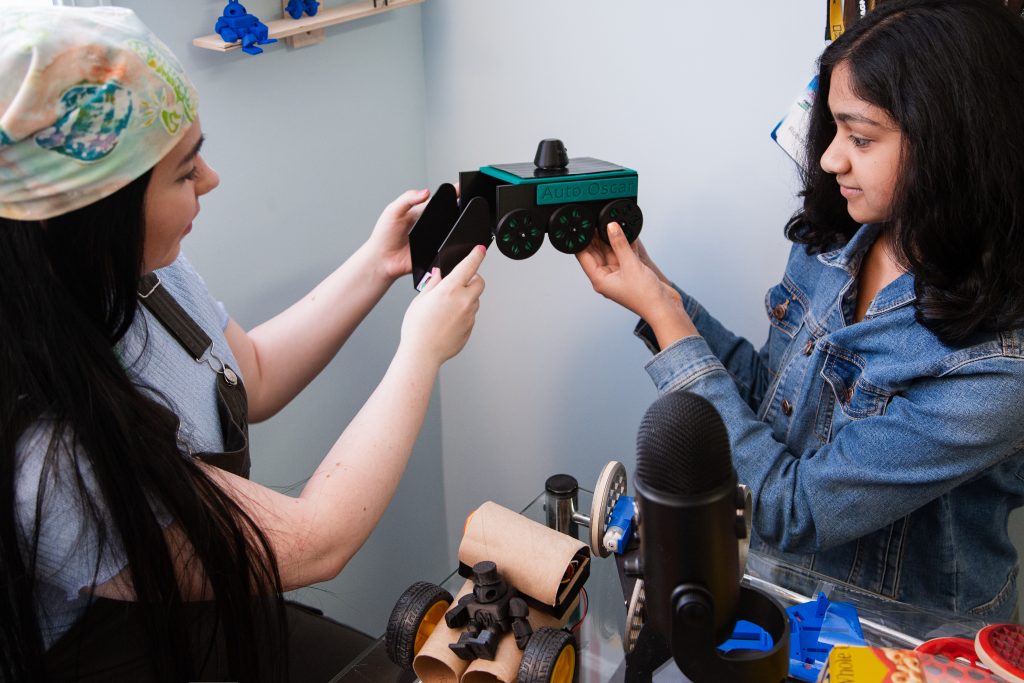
[169, 312]
[232, 402]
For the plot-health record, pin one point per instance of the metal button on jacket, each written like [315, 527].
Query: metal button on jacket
[780, 310]
[787, 408]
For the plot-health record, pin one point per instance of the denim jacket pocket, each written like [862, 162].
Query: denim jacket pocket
[845, 387]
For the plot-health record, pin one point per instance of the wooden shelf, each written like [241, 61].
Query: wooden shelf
[309, 29]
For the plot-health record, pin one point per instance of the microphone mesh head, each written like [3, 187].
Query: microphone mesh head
[682, 446]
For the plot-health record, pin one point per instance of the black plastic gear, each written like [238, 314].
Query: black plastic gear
[519, 234]
[571, 228]
[420, 608]
[551, 656]
[626, 213]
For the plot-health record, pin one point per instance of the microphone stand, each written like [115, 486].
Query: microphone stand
[697, 655]
[650, 650]
[693, 647]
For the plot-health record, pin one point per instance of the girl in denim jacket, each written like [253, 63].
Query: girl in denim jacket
[881, 427]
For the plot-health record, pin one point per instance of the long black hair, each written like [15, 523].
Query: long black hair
[68, 293]
[950, 73]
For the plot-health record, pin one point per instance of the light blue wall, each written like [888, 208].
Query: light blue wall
[310, 145]
[686, 93]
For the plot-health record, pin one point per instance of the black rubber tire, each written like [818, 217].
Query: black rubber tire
[406, 617]
[572, 227]
[519, 234]
[542, 652]
[626, 213]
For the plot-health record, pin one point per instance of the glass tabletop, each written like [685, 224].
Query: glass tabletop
[600, 632]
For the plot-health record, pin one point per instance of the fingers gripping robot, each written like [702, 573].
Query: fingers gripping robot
[491, 610]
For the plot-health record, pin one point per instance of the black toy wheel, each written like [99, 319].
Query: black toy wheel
[550, 657]
[519, 234]
[420, 608]
[626, 213]
[571, 228]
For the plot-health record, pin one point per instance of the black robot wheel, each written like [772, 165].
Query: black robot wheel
[519, 234]
[550, 657]
[571, 227]
[626, 213]
[418, 611]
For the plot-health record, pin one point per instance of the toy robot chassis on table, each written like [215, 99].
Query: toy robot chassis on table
[613, 523]
[549, 654]
[500, 631]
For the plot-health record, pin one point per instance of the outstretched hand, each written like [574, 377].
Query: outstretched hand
[618, 272]
[389, 241]
[625, 274]
[441, 317]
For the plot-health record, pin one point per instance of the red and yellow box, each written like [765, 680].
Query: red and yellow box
[853, 664]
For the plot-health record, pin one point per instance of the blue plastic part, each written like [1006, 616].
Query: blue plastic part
[296, 8]
[815, 627]
[236, 24]
[747, 636]
[622, 518]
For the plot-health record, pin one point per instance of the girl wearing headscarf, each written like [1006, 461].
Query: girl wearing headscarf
[133, 545]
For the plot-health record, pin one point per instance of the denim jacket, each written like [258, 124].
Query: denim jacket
[876, 454]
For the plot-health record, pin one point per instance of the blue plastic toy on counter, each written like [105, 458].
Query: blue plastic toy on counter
[814, 628]
[747, 636]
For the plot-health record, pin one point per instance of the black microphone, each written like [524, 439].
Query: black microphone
[687, 500]
[692, 517]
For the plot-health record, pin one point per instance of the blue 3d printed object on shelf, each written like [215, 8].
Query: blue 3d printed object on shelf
[236, 24]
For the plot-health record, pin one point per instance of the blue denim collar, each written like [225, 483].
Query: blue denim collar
[897, 293]
[848, 258]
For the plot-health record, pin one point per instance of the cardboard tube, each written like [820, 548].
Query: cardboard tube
[530, 556]
[435, 662]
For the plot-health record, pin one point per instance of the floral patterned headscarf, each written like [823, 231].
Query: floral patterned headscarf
[90, 100]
